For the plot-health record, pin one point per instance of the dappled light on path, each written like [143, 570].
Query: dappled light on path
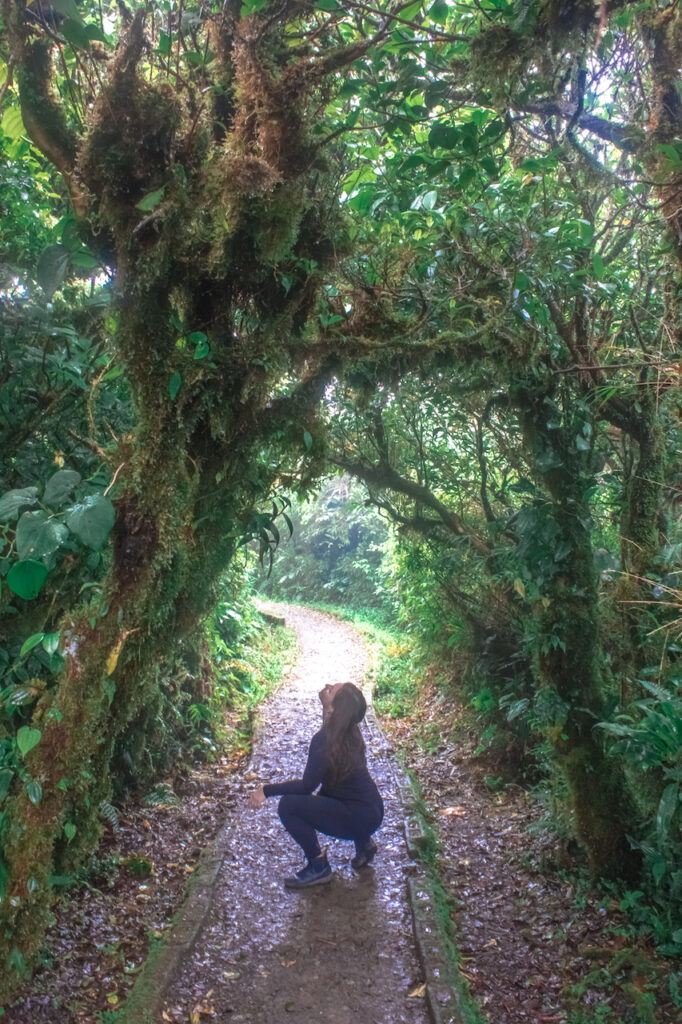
[340, 953]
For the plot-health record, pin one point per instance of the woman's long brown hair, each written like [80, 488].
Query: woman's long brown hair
[345, 745]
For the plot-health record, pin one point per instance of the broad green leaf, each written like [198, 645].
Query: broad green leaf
[76, 33]
[164, 47]
[69, 830]
[34, 791]
[597, 265]
[667, 806]
[174, 384]
[12, 502]
[438, 12]
[672, 153]
[489, 166]
[307, 439]
[53, 263]
[38, 536]
[26, 579]
[32, 642]
[60, 485]
[83, 259]
[51, 642]
[151, 200]
[92, 520]
[27, 739]
[429, 200]
[200, 341]
[12, 123]
[68, 8]
[444, 136]
[6, 776]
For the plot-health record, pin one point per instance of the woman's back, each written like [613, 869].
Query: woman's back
[357, 785]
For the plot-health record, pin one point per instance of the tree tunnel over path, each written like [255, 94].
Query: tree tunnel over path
[434, 245]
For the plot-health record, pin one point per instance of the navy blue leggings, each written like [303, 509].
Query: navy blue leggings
[304, 816]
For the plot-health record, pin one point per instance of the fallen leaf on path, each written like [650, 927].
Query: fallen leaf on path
[418, 992]
[202, 1010]
[457, 811]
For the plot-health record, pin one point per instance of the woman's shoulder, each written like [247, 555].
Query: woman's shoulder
[320, 738]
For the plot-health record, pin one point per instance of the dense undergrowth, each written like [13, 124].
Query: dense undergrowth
[207, 734]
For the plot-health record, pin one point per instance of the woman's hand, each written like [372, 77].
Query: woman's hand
[256, 798]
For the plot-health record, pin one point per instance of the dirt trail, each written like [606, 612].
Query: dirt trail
[341, 953]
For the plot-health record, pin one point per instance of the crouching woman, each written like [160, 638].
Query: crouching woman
[348, 804]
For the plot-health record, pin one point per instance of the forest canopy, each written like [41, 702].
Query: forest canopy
[432, 246]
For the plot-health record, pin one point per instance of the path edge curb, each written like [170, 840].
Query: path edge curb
[443, 984]
[145, 999]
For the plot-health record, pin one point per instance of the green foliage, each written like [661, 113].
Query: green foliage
[334, 551]
[650, 738]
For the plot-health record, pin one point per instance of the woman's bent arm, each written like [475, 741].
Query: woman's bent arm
[312, 776]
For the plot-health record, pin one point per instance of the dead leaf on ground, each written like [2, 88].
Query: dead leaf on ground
[457, 811]
[418, 992]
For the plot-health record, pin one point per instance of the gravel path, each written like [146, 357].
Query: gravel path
[341, 953]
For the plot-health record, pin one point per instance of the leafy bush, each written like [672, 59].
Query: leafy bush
[649, 737]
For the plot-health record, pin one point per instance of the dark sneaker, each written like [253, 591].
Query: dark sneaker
[314, 873]
[365, 856]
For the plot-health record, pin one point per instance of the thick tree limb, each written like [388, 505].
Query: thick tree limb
[385, 476]
[620, 135]
[42, 114]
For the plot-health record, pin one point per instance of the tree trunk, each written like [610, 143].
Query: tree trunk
[568, 662]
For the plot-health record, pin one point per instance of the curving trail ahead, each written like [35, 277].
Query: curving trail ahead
[341, 953]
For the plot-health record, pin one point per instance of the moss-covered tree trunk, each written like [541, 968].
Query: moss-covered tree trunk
[568, 664]
[215, 277]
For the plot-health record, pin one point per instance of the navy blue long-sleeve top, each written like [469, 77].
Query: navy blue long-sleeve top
[357, 786]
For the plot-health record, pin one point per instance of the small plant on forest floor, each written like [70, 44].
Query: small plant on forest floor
[630, 972]
[162, 795]
[601, 1014]
[110, 1017]
[138, 865]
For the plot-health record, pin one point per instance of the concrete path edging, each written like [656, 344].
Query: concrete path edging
[146, 998]
[443, 995]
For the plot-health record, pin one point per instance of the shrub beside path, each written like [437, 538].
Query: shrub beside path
[342, 953]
